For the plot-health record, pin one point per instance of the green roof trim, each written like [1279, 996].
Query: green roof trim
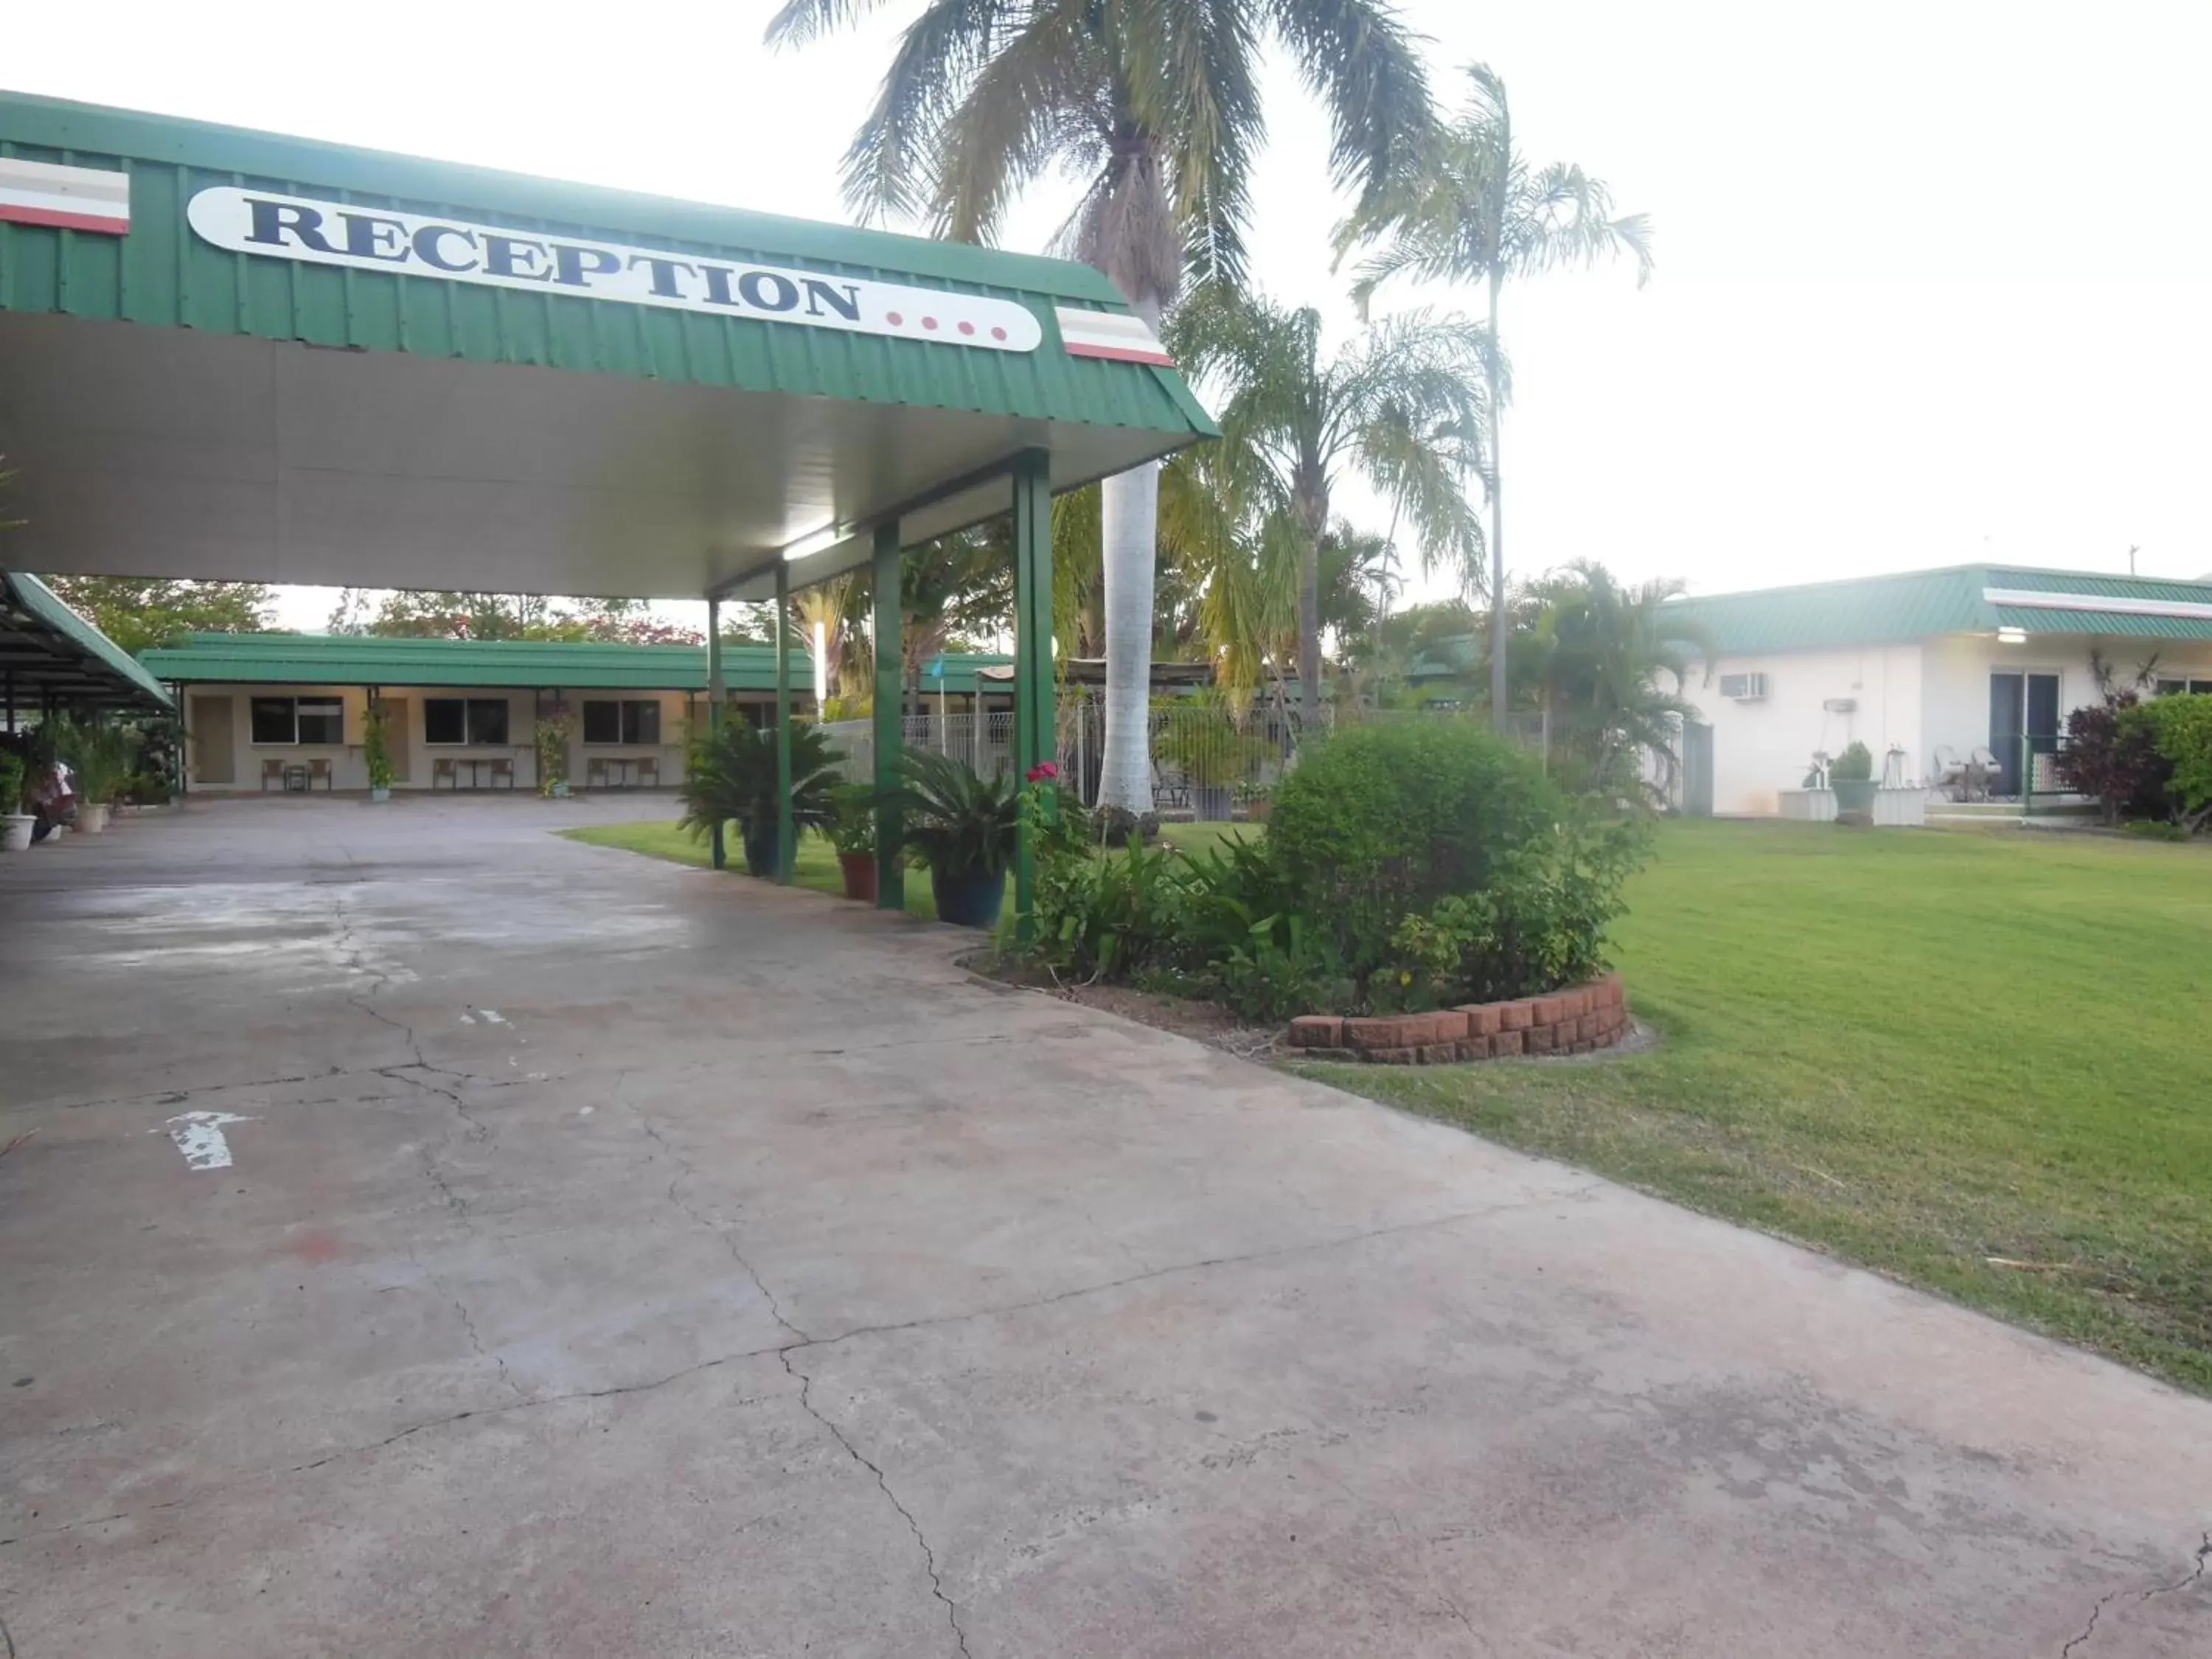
[1898, 610]
[372, 660]
[162, 274]
[47, 646]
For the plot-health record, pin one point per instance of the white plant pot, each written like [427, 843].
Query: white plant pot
[91, 816]
[1809, 805]
[379, 791]
[1900, 809]
[15, 831]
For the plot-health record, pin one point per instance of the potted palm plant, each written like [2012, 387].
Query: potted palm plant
[376, 753]
[15, 825]
[853, 832]
[961, 827]
[1850, 776]
[732, 773]
[99, 750]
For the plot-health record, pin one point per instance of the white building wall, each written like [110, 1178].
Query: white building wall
[1760, 749]
[1921, 697]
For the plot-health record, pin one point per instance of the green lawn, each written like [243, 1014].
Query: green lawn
[1980, 1062]
[816, 865]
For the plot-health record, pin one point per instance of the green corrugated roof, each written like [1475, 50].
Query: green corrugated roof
[1865, 610]
[371, 659]
[162, 273]
[46, 646]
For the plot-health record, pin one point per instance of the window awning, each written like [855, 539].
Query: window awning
[47, 650]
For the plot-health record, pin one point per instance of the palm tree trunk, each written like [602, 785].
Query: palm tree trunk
[1499, 629]
[1309, 628]
[1129, 529]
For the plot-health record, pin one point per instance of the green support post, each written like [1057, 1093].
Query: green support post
[890, 728]
[714, 700]
[787, 833]
[1036, 725]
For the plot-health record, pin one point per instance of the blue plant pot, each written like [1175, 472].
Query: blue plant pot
[969, 900]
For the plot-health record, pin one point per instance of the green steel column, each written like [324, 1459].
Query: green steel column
[787, 833]
[714, 701]
[1036, 728]
[890, 729]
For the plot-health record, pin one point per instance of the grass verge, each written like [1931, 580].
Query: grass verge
[1979, 1063]
[815, 866]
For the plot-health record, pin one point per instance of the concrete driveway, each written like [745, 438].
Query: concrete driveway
[617, 1260]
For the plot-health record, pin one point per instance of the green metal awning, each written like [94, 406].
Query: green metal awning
[1976, 599]
[47, 650]
[371, 659]
[235, 356]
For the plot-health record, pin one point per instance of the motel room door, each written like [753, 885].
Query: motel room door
[215, 757]
[2022, 703]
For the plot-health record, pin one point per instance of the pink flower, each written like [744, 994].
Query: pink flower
[1044, 772]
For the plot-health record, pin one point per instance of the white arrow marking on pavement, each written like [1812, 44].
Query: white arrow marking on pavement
[199, 1137]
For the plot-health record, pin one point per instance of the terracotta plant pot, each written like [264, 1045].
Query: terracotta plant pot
[859, 870]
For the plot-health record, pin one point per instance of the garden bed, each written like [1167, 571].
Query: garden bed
[1578, 1020]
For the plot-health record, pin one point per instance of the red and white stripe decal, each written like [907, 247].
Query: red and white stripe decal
[1111, 334]
[74, 198]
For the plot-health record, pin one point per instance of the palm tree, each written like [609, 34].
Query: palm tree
[1403, 406]
[1599, 649]
[1157, 106]
[1471, 210]
[830, 616]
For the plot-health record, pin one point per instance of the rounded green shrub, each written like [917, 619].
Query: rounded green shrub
[1379, 823]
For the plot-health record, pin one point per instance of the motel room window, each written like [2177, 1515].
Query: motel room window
[457, 721]
[299, 720]
[631, 721]
[2178, 688]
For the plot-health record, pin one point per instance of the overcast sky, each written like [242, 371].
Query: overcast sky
[1932, 277]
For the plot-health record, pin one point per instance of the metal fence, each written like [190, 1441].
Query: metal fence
[1204, 765]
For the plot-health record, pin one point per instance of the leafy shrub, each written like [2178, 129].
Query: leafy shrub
[12, 781]
[1854, 765]
[2179, 731]
[1540, 921]
[853, 819]
[1112, 914]
[2116, 762]
[1381, 822]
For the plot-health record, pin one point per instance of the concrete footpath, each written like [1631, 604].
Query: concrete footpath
[436, 1239]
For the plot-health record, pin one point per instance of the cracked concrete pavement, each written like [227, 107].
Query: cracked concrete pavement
[617, 1259]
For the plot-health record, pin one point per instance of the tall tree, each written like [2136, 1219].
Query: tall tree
[1402, 404]
[139, 616]
[1157, 106]
[1472, 209]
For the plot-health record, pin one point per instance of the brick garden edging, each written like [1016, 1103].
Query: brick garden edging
[1575, 1021]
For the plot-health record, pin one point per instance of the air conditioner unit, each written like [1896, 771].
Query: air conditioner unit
[1744, 688]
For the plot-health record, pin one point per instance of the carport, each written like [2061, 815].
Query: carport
[50, 657]
[225, 354]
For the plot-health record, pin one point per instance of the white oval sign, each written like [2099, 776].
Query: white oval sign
[323, 233]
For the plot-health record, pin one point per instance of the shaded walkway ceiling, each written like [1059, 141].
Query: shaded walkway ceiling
[48, 650]
[228, 355]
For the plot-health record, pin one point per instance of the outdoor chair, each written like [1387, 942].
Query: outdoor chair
[1169, 786]
[1950, 773]
[1984, 774]
[502, 774]
[648, 771]
[318, 771]
[272, 771]
[443, 770]
[595, 773]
